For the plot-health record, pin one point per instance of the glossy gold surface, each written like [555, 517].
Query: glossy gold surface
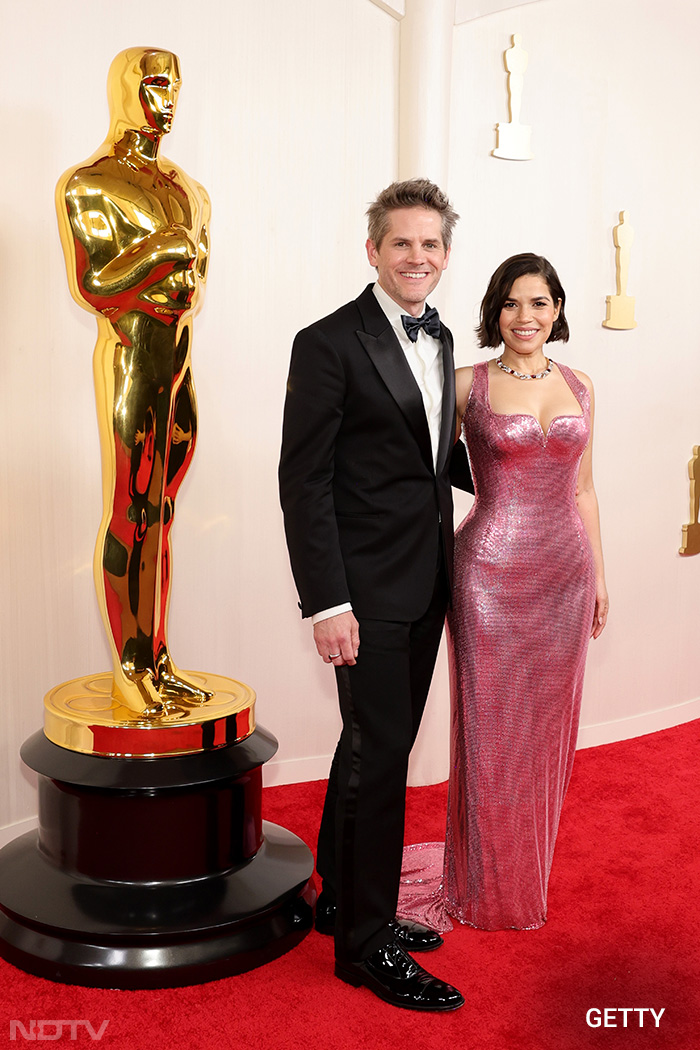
[84, 715]
[134, 232]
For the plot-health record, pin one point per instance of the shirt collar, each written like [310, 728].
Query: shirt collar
[390, 307]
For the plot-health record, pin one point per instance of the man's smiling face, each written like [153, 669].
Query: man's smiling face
[411, 257]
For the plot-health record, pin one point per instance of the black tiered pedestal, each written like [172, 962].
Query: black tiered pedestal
[152, 872]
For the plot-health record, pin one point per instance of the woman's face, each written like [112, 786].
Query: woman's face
[527, 315]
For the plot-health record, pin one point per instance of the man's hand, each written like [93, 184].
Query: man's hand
[338, 639]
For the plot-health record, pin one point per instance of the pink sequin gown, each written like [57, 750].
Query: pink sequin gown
[524, 596]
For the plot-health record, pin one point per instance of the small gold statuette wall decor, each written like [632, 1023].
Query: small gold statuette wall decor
[134, 230]
[513, 142]
[691, 532]
[620, 307]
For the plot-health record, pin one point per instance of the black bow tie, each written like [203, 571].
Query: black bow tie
[429, 321]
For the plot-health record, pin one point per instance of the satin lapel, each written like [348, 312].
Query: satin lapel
[447, 424]
[390, 361]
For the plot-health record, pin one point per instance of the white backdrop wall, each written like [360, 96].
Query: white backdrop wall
[289, 116]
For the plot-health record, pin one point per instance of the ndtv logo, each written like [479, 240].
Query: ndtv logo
[54, 1029]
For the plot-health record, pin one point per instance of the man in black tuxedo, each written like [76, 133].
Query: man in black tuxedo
[369, 428]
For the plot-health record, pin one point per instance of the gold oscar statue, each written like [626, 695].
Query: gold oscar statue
[151, 866]
[691, 532]
[620, 308]
[134, 232]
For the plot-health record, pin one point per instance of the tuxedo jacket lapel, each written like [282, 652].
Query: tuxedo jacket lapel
[390, 361]
[447, 424]
[384, 349]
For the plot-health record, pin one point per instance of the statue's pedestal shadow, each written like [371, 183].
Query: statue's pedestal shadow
[152, 872]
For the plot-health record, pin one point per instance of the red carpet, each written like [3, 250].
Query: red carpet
[623, 933]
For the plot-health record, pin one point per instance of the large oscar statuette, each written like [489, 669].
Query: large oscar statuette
[151, 866]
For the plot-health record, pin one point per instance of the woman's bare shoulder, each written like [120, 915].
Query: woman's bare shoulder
[464, 377]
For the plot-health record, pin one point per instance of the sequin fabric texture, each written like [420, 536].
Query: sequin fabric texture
[524, 597]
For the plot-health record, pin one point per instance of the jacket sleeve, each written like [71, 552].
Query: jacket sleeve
[459, 469]
[313, 415]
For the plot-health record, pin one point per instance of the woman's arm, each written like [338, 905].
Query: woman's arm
[464, 377]
[587, 503]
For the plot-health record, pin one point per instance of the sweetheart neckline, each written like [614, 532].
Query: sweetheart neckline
[529, 415]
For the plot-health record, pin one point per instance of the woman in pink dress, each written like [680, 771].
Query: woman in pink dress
[529, 592]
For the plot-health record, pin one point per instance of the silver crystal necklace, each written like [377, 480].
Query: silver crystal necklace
[525, 375]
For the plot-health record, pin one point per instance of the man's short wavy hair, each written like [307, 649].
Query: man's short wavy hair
[414, 193]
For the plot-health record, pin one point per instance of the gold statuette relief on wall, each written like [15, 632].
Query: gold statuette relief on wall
[691, 532]
[514, 137]
[620, 307]
[134, 230]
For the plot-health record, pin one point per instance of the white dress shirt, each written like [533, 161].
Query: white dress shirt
[425, 361]
[424, 358]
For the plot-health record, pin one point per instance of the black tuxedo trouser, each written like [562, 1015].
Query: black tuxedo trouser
[361, 837]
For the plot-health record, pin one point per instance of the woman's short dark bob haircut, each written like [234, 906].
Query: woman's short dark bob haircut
[499, 289]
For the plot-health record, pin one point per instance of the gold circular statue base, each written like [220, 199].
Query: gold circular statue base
[83, 715]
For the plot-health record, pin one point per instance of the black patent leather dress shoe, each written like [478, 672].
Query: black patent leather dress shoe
[410, 935]
[325, 914]
[413, 937]
[398, 979]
